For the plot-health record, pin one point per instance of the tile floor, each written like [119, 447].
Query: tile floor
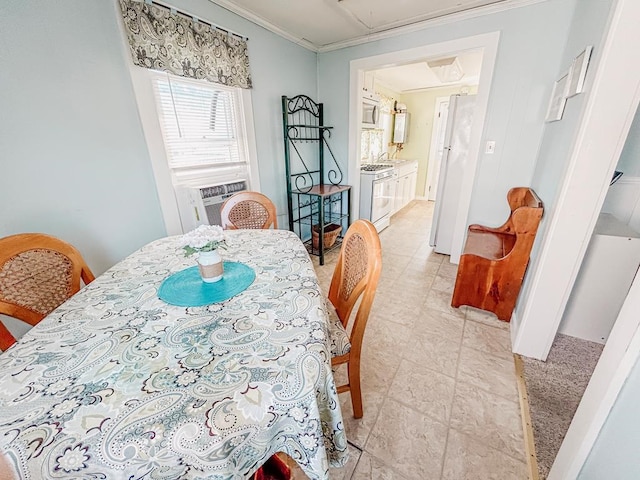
[439, 384]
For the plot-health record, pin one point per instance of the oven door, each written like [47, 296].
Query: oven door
[381, 198]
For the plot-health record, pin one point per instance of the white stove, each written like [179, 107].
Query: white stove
[377, 182]
[375, 168]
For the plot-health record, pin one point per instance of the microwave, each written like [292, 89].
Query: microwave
[370, 113]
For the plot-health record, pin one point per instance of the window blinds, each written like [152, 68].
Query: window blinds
[200, 122]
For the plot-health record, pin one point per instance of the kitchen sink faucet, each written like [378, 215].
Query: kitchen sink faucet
[381, 156]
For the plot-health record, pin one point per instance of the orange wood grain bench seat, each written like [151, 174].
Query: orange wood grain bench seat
[494, 260]
[488, 244]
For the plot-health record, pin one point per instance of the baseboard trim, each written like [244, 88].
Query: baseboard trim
[529, 443]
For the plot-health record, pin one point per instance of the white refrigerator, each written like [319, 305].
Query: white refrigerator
[452, 167]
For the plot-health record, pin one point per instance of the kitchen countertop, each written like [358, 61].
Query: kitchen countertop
[400, 161]
[394, 161]
[403, 166]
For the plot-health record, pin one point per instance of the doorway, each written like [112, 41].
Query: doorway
[488, 43]
[433, 137]
[603, 126]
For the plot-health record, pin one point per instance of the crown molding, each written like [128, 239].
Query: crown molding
[439, 87]
[501, 6]
[430, 23]
[262, 22]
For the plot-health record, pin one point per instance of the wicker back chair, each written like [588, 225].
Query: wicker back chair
[356, 274]
[248, 210]
[38, 272]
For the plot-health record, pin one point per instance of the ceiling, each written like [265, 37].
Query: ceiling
[327, 24]
[418, 76]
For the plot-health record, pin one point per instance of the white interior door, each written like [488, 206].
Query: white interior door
[437, 147]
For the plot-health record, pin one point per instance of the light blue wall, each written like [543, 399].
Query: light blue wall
[532, 40]
[73, 158]
[629, 162]
[587, 28]
[74, 161]
[615, 456]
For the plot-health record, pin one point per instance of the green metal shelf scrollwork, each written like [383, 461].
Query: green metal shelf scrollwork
[320, 197]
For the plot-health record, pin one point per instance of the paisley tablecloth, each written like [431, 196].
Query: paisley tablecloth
[116, 384]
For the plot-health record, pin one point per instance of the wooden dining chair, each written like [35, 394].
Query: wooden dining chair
[275, 468]
[248, 210]
[38, 272]
[356, 275]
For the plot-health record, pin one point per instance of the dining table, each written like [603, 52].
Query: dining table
[117, 383]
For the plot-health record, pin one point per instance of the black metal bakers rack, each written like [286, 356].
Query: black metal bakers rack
[317, 200]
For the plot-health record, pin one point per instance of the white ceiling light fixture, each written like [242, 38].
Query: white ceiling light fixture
[447, 70]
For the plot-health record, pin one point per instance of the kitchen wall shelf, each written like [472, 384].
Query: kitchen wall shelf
[315, 194]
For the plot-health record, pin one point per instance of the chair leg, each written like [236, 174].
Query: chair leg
[455, 301]
[273, 469]
[354, 384]
[6, 339]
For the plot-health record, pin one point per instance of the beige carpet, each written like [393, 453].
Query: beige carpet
[555, 388]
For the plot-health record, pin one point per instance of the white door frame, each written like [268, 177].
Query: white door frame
[608, 113]
[607, 116]
[433, 149]
[489, 43]
[619, 356]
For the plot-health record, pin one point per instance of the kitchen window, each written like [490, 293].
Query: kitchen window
[371, 145]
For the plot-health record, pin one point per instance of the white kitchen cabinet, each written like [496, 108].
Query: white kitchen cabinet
[405, 184]
[609, 266]
[413, 179]
[369, 83]
[406, 189]
[393, 194]
[398, 194]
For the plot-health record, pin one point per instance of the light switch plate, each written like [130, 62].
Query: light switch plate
[491, 147]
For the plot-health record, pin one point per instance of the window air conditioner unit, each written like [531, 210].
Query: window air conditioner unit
[201, 205]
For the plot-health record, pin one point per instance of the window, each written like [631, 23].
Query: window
[199, 134]
[200, 122]
[371, 144]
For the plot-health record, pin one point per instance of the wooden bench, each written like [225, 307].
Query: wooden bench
[494, 260]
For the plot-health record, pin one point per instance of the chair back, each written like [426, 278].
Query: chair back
[522, 199]
[38, 272]
[248, 210]
[357, 273]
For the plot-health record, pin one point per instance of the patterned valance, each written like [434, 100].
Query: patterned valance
[161, 39]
